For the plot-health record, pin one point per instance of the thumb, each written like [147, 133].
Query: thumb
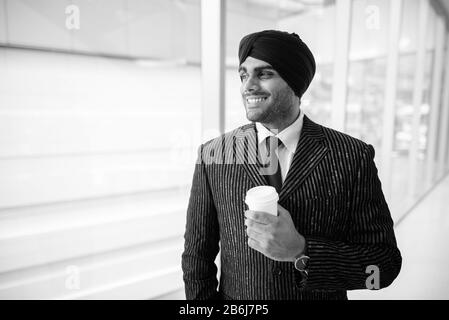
[282, 211]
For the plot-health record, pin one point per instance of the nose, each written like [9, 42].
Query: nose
[250, 85]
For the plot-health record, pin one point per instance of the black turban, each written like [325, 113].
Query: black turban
[286, 53]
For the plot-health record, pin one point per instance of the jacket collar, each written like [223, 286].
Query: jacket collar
[289, 136]
[311, 148]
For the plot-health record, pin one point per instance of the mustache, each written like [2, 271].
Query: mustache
[255, 94]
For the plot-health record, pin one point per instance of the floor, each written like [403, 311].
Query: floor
[423, 238]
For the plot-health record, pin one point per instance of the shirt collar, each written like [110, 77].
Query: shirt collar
[289, 136]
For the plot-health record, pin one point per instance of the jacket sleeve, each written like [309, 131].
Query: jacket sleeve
[201, 238]
[370, 245]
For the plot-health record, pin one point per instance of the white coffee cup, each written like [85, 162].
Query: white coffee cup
[263, 198]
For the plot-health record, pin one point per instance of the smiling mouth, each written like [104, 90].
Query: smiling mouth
[256, 100]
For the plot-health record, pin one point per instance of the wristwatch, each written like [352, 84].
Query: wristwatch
[301, 263]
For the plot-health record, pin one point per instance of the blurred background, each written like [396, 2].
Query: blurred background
[103, 104]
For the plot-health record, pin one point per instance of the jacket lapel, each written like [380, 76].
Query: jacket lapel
[246, 149]
[310, 150]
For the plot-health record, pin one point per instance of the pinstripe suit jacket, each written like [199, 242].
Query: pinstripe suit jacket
[334, 196]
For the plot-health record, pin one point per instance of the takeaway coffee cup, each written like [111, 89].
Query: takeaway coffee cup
[263, 198]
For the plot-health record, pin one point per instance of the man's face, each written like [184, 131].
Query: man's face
[266, 96]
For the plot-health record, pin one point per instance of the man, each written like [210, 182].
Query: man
[333, 231]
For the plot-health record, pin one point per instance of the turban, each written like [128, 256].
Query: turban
[285, 52]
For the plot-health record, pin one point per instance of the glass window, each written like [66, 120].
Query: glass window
[308, 21]
[403, 134]
[367, 71]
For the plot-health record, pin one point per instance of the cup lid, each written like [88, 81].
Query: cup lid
[262, 194]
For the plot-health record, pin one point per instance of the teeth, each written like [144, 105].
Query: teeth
[255, 100]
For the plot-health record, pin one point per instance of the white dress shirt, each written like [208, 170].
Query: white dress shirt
[289, 137]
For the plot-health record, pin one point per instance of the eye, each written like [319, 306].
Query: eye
[243, 76]
[266, 74]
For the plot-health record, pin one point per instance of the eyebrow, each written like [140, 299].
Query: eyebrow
[256, 69]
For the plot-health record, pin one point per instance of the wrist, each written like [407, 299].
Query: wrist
[301, 259]
[302, 249]
[301, 266]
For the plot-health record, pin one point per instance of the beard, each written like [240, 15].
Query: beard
[277, 106]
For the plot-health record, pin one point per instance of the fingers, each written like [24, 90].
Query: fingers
[257, 231]
[254, 234]
[261, 232]
[260, 217]
[266, 218]
[253, 224]
[254, 244]
[260, 247]
[270, 235]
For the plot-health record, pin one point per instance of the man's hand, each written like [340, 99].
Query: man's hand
[275, 237]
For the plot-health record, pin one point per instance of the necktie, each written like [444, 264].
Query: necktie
[275, 179]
